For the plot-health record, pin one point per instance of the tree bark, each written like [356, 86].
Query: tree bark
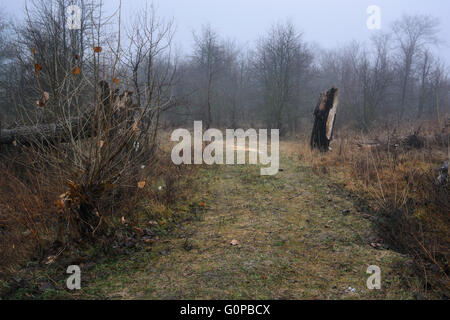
[324, 117]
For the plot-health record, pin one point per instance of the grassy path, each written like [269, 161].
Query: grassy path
[297, 240]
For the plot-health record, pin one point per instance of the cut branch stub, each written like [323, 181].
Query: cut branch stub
[324, 118]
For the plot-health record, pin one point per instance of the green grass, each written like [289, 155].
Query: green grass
[294, 243]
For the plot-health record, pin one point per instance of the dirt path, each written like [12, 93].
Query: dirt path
[297, 240]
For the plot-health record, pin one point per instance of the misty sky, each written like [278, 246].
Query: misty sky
[326, 22]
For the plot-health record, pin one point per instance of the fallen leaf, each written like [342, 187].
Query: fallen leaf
[376, 245]
[65, 195]
[139, 230]
[60, 204]
[50, 259]
[203, 204]
[109, 186]
[141, 184]
[73, 185]
[37, 68]
[234, 242]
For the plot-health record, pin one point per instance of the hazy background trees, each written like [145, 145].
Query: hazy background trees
[273, 82]
[393, 76]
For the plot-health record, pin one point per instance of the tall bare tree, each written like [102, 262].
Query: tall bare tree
[280, 60]
[208, 58]
[425, 65]
[412, 33]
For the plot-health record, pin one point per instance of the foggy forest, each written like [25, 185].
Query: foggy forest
[89, 99]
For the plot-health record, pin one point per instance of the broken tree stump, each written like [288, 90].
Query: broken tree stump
[324, 118]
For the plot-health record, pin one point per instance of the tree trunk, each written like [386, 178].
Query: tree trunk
[324, 117]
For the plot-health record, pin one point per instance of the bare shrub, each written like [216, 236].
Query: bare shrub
[79, 181]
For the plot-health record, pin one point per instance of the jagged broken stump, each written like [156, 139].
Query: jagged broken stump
[324, 118]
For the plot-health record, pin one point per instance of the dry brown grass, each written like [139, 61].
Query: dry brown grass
[398, 181]
[27, 222]
[44, 204]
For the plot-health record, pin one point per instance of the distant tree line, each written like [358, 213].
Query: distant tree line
[396, 75]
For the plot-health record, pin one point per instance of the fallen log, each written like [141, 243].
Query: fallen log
[407, 142]
[324, 118]
[76, 128]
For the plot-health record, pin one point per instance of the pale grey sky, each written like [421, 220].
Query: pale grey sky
[326, 22]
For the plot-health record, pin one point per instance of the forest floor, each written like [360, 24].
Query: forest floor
[298, 236]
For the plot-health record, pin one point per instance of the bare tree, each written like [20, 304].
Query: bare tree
[208, 58]
[425, 66]
[375, 76]
[153, 69]
[412, 34]
[438, 81]
[280, 59]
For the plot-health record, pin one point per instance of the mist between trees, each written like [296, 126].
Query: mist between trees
[273, 83]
